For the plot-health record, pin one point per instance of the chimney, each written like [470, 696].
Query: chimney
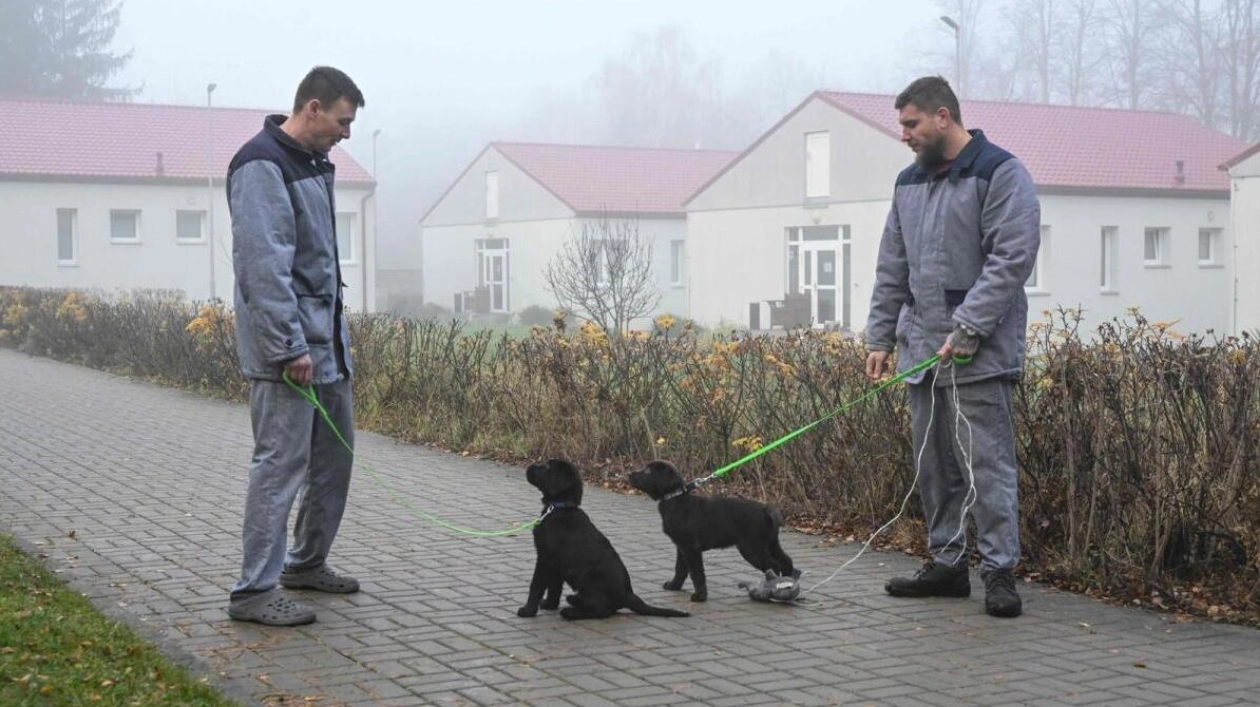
[159, 168]
[1181, 173]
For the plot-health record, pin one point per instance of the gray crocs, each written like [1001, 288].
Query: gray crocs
[271, 609]
[321, 579]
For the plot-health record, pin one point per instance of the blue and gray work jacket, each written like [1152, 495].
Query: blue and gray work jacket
[957, 248]
[284, 252]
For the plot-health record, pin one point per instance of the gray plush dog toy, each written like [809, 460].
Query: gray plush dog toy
[776, 588]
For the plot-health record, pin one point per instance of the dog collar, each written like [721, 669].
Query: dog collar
[686, 489]
[559, 506]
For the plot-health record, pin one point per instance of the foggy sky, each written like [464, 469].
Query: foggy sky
[443, 79]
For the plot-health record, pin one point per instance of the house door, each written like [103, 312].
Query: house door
[816, 270]
[492, 272]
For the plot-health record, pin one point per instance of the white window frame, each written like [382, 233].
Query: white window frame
[817, 165]
[350, 240]
[1037, 279]
[1214, 236]
[201, 227]
[1162, 244]
[1109, 239]
[135, 239]
[492, 195]
[73, 215]
[677, 262]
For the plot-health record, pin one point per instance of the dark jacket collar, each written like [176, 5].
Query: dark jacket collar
[272, 125]
[966, 157]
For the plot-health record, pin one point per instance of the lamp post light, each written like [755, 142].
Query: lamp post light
[210, 242]
[958, 78]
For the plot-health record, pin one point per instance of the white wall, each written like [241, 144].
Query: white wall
[521, 198]
[450, 259]
[737, 256]
[1245, 215]
[864, 163]
[28, 239]
[1199, 296]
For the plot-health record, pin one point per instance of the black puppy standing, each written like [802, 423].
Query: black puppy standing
[696, 523]
[571, 549]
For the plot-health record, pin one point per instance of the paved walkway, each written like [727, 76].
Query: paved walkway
[134, 492]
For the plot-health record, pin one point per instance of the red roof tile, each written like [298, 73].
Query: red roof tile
[1083, 148]
[617, 179]
[102, 141]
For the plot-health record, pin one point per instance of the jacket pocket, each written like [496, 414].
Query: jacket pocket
[315, 313]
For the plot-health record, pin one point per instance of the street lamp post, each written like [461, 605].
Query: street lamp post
[210, 183]
[958, 78]
[375, 185]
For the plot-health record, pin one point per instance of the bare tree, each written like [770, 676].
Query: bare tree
[1241, 27]
[1131, 40]
[605, 273]
[1033, 23]
[1192, 81]
[657, 93]
[1079, 47]
[773, 86]
[966, 14]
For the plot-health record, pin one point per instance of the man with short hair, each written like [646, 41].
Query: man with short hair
[290, 324]
[960, 241]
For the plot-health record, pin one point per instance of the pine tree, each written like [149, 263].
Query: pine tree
[60, 48]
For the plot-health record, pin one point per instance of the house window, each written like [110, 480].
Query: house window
[190, 226]
[817, 165]
[1209, 246]
[1107, 262]
[492, 195]
[1037, 279]
[676, 254]
[67, 236]
[124, 226]
[1155, 247]
[346, 239]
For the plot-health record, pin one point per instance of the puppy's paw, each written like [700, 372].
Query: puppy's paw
[527, 611]
[672, 586]
[700, 596]
[570, 613]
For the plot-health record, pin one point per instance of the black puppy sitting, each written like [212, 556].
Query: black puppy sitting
[571, 549]
[696, 523]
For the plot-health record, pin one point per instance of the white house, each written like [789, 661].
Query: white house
[1244, 173]
[488, 238]
[1135, 213]
[121, 196]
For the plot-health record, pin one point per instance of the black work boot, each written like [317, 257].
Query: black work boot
[1000, 598]
[932, 580]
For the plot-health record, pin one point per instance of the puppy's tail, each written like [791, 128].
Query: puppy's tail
[638, 606]
[774, 516]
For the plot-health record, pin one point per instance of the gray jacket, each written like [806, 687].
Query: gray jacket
[957, 248]
[284, 252]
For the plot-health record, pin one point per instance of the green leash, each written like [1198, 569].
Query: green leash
[309, 393]
[798, 432]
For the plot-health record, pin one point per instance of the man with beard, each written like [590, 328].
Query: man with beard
[959, 243]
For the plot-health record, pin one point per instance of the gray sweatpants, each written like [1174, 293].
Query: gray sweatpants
[294, 451]
[988, 442]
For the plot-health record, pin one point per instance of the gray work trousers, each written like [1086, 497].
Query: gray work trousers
[988, 443]
[294, 451]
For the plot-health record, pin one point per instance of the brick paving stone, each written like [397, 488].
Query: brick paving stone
[111, 459]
